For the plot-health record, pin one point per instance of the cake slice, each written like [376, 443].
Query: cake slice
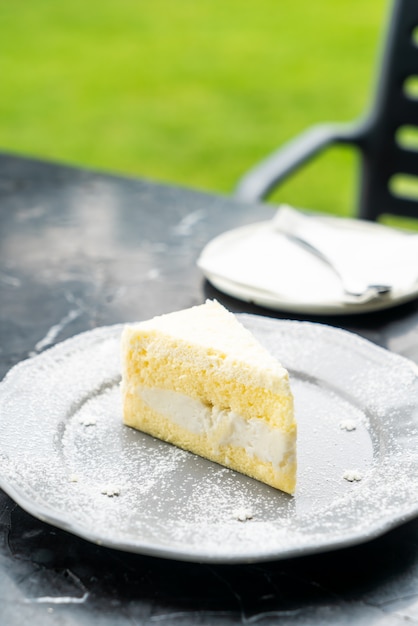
[200, 380]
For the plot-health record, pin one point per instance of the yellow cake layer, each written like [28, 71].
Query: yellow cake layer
[211, 388]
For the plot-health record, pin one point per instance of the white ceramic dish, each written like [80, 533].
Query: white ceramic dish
[256, 263]
[67, 459]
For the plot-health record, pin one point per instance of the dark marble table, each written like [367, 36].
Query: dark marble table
[81, 249]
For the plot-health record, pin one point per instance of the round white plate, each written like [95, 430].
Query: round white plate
[258, 264]
[66, 457]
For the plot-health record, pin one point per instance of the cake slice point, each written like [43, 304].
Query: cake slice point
[198, 379]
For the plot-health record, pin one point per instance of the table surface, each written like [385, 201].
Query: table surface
[81, 249]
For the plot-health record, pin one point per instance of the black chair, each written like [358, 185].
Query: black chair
[379, 138]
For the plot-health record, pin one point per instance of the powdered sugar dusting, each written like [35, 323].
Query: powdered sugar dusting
[352, 475]
[243, 514]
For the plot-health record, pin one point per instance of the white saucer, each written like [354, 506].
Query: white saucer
[258, 264]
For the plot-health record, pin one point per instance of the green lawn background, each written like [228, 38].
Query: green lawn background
[191, 92]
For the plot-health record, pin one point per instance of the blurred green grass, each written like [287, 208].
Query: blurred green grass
[188, 92]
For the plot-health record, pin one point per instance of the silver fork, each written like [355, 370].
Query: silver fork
[353, 287]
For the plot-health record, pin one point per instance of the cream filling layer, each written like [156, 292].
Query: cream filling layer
[221, 427]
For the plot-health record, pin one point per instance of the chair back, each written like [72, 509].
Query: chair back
[388, 139]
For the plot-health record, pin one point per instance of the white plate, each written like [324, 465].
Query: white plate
[63, 444]
[258, 264]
